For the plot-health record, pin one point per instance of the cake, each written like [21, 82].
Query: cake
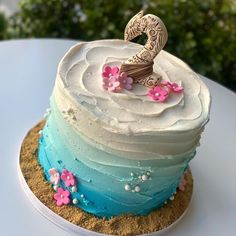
[115, 143]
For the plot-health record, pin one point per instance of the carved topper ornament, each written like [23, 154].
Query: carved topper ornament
[140, 66]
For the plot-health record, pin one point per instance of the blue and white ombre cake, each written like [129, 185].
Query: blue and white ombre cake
[111, 146]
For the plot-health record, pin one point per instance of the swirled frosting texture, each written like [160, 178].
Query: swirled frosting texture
[129, 121]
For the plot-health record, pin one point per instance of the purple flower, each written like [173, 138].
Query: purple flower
[158, 93]
[125, 81]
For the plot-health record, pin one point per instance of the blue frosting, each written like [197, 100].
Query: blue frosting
[101, 185]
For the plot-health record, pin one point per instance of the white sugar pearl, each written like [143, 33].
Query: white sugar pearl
[148, 173]
[127, 187]
[172, 198]
[82, 195]
[40, 132]
[144, 177]
[55, 187]
[73, 189]
[132, 174]
[45, 115]
[137, 189]
[75, 201]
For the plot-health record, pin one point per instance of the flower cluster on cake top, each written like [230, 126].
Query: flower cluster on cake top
[62, 195]
[114, 81]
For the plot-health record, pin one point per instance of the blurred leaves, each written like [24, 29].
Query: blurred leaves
[3, 25]
[202, 33]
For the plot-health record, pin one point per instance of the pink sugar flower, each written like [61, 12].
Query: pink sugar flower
[174, 87]
[62, 197]
[54, 176]
[182, 183]
[109, 71]
[125, 81]
[111, 84]
[158, 93]
[68, 178]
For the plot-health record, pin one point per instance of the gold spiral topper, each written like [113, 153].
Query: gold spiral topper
[140, 66]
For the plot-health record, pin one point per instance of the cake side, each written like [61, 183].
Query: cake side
[32, 178]
[127, 152]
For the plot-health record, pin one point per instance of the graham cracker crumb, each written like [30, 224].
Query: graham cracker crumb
[124, 225]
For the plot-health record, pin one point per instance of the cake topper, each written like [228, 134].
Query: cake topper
[138, 69]
[140, 66]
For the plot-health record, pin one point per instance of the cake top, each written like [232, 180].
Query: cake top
[131, 111]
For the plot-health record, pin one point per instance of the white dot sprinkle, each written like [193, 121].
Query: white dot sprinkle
[40, 133]
[55, 187]
[73, 189]
[127, 187]
[137, 189]
[148, 173]
[157, 94]
[172, 198]
[82, 195]
[75, 201]
[144, 177]
[132, 174]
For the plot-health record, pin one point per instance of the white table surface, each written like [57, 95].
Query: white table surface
[27, 75]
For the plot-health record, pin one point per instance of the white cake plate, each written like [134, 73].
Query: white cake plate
[72, 228]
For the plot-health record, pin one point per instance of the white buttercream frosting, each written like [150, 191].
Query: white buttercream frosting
[130, 123]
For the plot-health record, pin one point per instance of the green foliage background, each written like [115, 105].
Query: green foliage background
[202, 33]
[3, 25]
